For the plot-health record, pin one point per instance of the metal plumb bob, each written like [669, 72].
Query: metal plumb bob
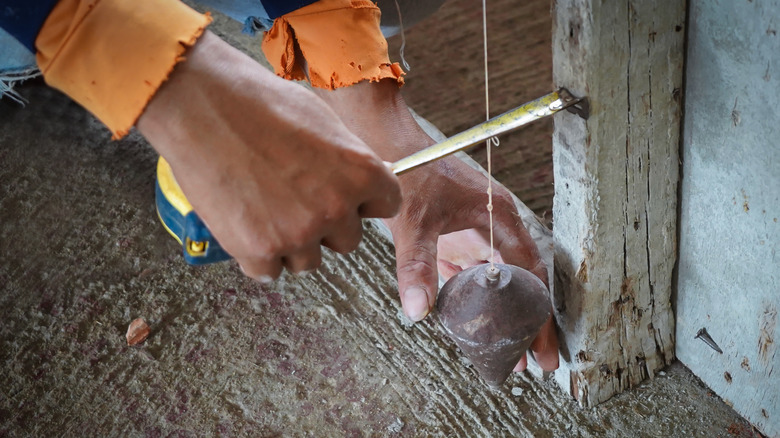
[493, 313]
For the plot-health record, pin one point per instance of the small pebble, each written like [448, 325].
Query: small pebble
[137, 332]
[517, 391]
[397, 426]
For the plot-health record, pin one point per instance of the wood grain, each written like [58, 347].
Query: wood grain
[616, 191]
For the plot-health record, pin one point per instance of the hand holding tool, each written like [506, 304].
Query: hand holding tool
[199, 246]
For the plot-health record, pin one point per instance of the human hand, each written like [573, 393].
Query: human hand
[267, 165]
[443, 226]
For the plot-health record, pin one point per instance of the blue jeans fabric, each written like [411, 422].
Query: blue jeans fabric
[250, 12]
[17, 63]
[395, 13]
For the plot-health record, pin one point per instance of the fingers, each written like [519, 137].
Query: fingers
[514, 242]
[418, 278]
[266, 270]
[447, 269]
[545, 347]
[260, 269]
[518, 247]
[304, 260]
[522, 365]
[540, 270]
[346, 237]
[384, 198]
[511, 239]
[463, 249]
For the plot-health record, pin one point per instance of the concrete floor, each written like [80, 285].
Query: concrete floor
[330, 354]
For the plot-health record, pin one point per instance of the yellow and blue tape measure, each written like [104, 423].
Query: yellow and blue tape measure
[181, 221]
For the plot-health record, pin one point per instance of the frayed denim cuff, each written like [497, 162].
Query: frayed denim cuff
[17, 63]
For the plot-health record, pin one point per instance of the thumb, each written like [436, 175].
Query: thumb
[418, 278]
[545, 346]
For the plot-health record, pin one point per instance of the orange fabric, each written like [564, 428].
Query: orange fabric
[111, 56]
[340, 41]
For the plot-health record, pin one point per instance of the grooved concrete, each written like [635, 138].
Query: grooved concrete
[82, 254]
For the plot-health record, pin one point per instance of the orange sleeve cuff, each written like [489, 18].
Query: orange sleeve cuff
[111, 56]
[340, 41]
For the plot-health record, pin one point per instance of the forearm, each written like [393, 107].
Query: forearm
[197, 83]
[341, 40]
[337, 45]
[377, 113]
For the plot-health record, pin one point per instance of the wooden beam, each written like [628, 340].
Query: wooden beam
[616, 177]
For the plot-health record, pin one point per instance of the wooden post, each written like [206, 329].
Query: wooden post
[616, 177]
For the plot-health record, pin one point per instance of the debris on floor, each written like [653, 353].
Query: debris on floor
[137, 332]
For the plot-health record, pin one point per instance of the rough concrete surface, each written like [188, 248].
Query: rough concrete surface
[330, 354]
[82, 255]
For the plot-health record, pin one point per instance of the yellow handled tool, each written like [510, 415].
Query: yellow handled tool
[200, 247]
[507, 122]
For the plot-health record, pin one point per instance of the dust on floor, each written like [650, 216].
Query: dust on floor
[330, 354]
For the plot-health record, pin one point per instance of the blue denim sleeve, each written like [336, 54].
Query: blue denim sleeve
[277, 8]
[23, 19]
[255, 14]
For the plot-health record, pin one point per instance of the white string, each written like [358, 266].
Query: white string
[490, 141]
[403, 37]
